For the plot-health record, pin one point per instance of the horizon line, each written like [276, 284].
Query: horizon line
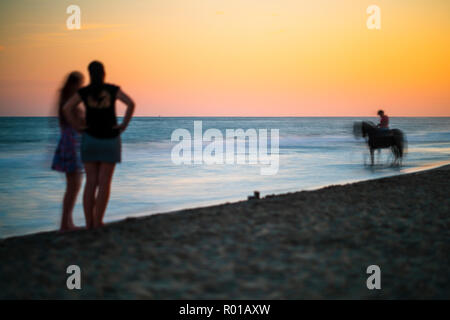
[231, 116]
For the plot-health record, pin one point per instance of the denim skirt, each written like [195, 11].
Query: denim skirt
[100, 149]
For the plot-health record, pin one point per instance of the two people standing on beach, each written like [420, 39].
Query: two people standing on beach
[100, 143]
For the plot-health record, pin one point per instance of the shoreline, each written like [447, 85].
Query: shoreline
[422, 168]
[299, 245]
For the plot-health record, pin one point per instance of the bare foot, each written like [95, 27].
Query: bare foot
[99, 225]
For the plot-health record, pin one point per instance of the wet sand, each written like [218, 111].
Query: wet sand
[302, 245]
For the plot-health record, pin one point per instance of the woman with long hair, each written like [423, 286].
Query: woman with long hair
[101, 143]
[67, 158]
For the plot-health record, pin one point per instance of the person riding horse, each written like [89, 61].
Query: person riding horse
[384, 120]
[381, 136]
[383, 126]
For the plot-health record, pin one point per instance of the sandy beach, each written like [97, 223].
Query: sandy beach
[302, 245]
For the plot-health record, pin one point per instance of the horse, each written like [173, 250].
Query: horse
[381, 138]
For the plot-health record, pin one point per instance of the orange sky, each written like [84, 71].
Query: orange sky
[234, 57]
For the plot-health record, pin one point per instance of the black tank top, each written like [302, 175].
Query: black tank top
[100, 110]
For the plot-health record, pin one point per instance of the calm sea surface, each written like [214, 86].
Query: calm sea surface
[312, 152]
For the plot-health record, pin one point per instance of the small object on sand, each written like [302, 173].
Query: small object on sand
[255, 196]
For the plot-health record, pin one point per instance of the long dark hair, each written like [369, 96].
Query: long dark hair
[97, 75]
[73, 82]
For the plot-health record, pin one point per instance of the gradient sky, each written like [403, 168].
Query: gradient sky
[234, 57]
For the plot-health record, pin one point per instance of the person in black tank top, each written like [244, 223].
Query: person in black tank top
[100, 102]
[101, 143]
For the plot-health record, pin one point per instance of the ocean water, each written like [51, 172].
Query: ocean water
[313, 152]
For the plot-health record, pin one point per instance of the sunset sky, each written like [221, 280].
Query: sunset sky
[233, 57]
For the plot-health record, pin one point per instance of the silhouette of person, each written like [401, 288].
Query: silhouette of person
[101, 143]
[67, 158]
[384, 120]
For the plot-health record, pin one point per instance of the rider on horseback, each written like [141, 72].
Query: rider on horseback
[380, 136]
[383, 126]
[384, 120]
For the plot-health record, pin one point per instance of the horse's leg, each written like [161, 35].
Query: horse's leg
[398, 156]
[399, 144]
[378, 156]
[395, 153]
[371, 155]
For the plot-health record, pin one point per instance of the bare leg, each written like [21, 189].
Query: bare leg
[92, 174]
[104, 186]
[73, 187]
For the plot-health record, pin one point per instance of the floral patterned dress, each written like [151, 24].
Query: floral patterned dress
[67, 156]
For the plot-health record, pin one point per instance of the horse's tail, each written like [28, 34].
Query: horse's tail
[400, 141]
